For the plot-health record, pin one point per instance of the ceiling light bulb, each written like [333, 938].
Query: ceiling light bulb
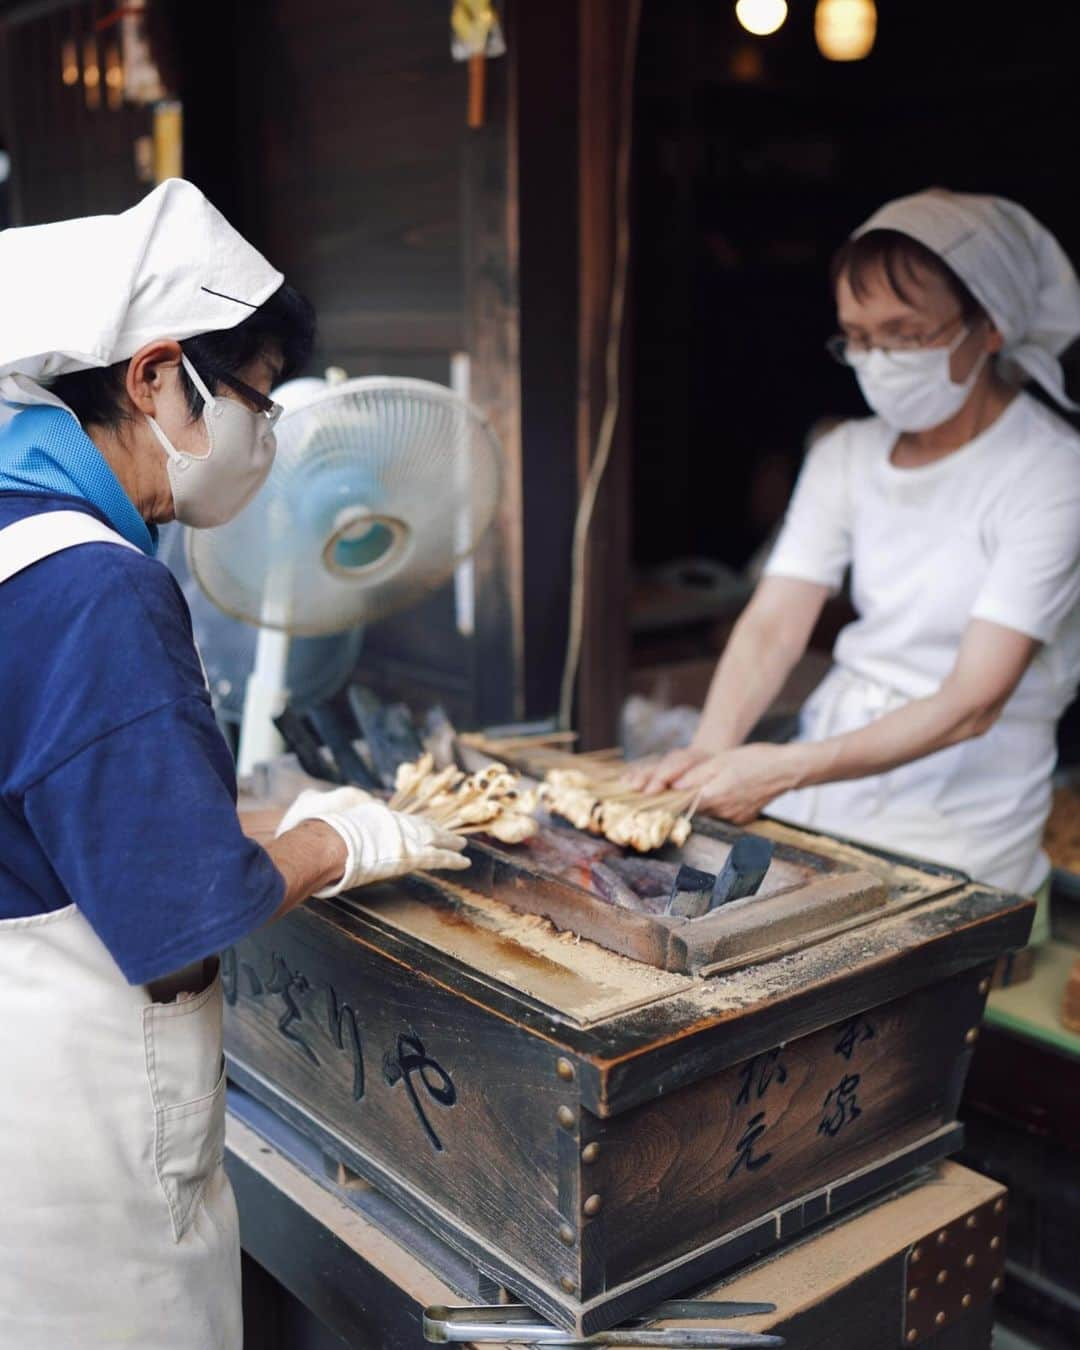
[761, 17]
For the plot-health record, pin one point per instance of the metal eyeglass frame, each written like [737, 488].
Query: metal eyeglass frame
[261, 403]
[837, 345]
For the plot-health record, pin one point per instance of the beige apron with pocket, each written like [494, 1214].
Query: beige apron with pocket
[117, 1223]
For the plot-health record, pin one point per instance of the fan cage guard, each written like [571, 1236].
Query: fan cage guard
[356, 523]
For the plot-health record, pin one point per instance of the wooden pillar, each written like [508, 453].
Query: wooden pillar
[604, 49]
[492, 328]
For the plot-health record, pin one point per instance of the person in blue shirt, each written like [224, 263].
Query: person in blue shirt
[140, 350]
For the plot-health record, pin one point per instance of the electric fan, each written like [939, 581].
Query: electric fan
[380, 488]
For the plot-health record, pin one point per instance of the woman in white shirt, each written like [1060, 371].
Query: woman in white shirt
[957, 508]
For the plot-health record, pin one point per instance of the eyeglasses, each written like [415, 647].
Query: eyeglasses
[271, 410]
[840, 344]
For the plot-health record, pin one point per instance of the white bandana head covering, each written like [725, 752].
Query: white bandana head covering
[90, 292]
[1012, 265]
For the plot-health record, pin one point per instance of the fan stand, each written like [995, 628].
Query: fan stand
[264, 699]
[267, 689]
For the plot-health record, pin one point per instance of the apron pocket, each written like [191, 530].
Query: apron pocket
[189, 1147]
[185, 1068]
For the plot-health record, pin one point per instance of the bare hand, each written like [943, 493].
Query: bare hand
[659, 772]
[738, 784]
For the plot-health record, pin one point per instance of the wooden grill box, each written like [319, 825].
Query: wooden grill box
[596, 1133]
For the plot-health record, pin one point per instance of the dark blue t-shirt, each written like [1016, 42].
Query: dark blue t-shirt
[117, 790]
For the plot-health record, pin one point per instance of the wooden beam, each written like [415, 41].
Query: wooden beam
[546, 69]
[604, 26]
[492, 326]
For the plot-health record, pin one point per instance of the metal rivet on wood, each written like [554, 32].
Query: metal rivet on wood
[912, 1336]
[984, 987]
[568, 1284]
[593, 1205]
[942, 1276]
[565, 1070]
[566, 1118]
[965, 1302]
[939, 1319]
[916, 1253]
[999, 1206]
[969, 1260]
[995, 1284]
[971, 1221]
[913, 1294]
[590, 1152]
[972, 1036]
[566, 1234]
[995, 1243]
[942, 1237]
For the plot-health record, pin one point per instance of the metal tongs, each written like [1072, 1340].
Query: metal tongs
[518, 1324]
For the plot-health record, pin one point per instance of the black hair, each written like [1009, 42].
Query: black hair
[285, 323]
[900, 257]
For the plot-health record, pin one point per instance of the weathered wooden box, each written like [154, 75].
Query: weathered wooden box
[595, 1134]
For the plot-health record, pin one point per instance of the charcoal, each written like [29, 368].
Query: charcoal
[646, 876]
[612, 887]
[691, 892]
[744, 870]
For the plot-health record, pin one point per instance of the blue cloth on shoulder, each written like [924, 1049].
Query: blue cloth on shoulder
[44, 449]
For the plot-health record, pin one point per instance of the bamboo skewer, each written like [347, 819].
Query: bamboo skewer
[590, 790]
[488, 802]
[477, 741]
[593, 790]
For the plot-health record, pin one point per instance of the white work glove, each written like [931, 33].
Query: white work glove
[381, 843]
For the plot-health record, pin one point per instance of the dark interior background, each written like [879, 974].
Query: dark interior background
[755, 158]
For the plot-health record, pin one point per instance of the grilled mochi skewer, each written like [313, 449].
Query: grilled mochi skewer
[629, 819]
[489, 802]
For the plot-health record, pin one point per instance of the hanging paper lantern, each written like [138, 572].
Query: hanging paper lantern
[845, 29]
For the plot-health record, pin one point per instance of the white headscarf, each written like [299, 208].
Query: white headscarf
[1012, 265]
[91, 292]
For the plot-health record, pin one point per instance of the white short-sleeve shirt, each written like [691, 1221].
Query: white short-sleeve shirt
[991, 531]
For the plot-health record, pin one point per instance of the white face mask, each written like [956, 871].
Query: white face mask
[211, 489]
[913, 391]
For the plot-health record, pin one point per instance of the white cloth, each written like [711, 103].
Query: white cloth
[92, 291]
[991, 531]
[35, 538]
[118, 1225]
[1012, 265]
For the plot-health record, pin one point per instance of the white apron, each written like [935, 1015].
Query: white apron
[117, 1223]
[979, 806]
